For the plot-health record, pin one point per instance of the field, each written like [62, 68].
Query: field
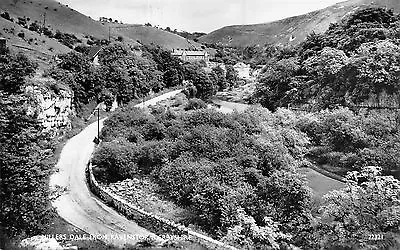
[319, 183]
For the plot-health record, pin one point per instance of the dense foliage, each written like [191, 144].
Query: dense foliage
[354, 61]
[237, 173]
[221, 167]
[349, 141]
[25, 155]
[123, 73]
[13, 71]
[364, 215]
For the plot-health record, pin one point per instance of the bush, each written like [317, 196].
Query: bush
[180, 177]
[195, 103]
[153, 155]
[68, 40]
[6, 16]
[21, 35]
[47, 32]
[115, 161]
[34, 27]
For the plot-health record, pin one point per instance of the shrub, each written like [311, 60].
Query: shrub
[180, 177]
[22, 21]
[47, 32]
[115, 161]
[195, 103]
[68, 40]
[153, 155]
[6, 16]
[21, 35]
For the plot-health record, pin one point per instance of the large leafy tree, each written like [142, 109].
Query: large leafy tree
[353, 61]
[13, 71]
[75, 70]
[170, 66]
[26, 151]
[247, 234]
[25, 167]
[365, 214]
[276, 83]
[128, 75]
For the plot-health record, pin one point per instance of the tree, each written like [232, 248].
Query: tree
[326, 70]
[170, 66]
[276, 83]
[115, 161]
[13, 71]
[76, 70]
[368, 206]
[231, 76]
[248, 235]
[25, 166]
[220, 78]
[180, 177]
[205, 86]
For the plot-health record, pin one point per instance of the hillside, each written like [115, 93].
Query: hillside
[36, 47]
[61, 17]
[291, 30]
[148, 35]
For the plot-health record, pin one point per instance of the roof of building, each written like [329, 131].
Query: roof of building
[94, 51]
[195, 53]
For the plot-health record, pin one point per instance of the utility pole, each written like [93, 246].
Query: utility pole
[98, 124]
[97, 139]
[44, 23]
[109, 34]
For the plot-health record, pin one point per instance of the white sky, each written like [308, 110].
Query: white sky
[196, 15]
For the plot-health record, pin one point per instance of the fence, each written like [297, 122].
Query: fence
[156, 223]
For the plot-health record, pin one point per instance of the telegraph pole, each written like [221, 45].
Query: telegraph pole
[98, 124]
[109, 34]
[44, 23]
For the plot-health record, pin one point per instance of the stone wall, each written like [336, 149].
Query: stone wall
[152, 222]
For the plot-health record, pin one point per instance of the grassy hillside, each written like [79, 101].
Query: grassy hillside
[292, 30]
[61, 17]
[38, 48]
[58, 16]
[148, 35]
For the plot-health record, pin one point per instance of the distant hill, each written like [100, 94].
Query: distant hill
[61, 17]
[291, 30]
[147, 35]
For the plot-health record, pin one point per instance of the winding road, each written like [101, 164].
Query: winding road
[78, 205]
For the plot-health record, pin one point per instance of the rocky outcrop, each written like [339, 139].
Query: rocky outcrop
[53, 103]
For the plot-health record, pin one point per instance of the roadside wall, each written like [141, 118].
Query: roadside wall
[157, 224]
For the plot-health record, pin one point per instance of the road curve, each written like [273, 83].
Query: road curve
[77, 204]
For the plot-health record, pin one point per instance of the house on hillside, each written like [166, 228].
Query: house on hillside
[191, 55]
[94, 54]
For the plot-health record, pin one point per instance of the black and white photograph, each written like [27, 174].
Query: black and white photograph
[200, 124]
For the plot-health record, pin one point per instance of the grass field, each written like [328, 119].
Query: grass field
[319, 183]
